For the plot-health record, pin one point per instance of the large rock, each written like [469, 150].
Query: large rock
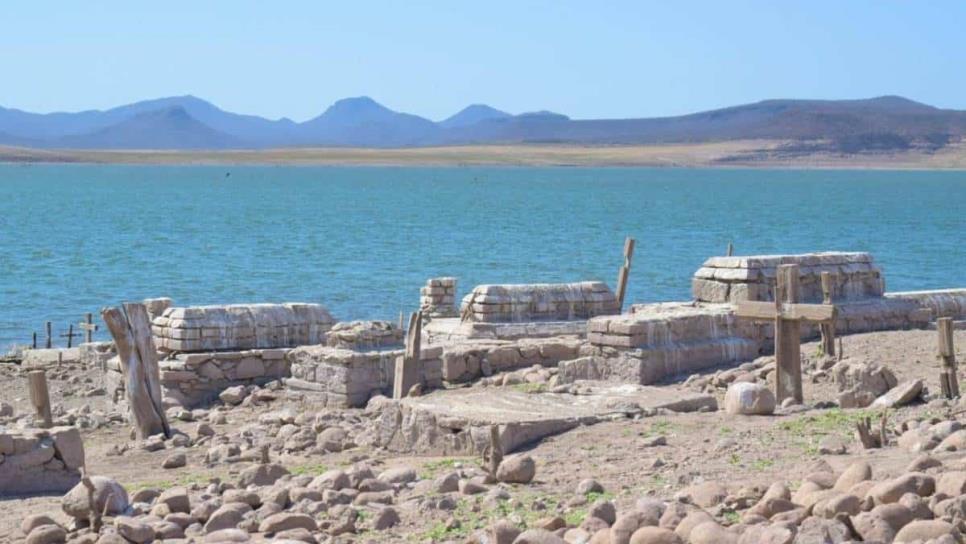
[517, 469]
[266, 474]
[749, 399]
[861, 382]
[110, 498]
[69, 446]
[900, 395]
[134, 530]
[926, 529]
[655, 535]
[47, 534]
[284, 521]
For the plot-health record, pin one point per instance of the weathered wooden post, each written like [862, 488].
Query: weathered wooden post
[89, 327]
[624, 272]
[731, 249]
[34, 345]
[407, 371]
[827, 329]
[47, 327]
[787, 314]
[493, 454]
[948, 381]
[39, 396]
[131, 330]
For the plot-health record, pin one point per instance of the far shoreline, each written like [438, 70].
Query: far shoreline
[738, 154]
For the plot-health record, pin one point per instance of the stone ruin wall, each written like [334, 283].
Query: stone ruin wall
[730, 279]
[194, 379]
[347, 378]
[469, 361]
[241, 326]
[40, 460]
[654, 341]
[438, 298]
[538, 302]
[939, 303]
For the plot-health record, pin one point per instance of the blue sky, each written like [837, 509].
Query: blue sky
[585, 59]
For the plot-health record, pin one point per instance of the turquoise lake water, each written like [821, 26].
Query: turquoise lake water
[361, 241]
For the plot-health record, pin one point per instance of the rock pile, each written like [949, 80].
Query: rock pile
[364, 335]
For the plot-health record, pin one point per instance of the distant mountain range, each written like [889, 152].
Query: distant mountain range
[187, 122]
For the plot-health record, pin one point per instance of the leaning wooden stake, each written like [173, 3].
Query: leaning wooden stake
[407, 373]
[624, 272]
[869, 439]
[731, 249]
[827, 328]
[131, 330]
[948, 381]
[40, 397]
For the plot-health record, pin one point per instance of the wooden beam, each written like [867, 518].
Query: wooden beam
[624, 273]
[767, 311]
[131, 330]
[47, 327]
[40, 397]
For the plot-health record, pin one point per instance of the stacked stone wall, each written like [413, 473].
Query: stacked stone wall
[471, 360]
[193, 379]
[938, 303]
[364, 335]
[538, 302]
[40, 460]
[346, 378]
[241, 326]
[438, 298]
[730, 279]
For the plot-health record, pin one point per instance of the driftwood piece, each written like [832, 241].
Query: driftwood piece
[870, 438]
[92, 512]
[131, 329]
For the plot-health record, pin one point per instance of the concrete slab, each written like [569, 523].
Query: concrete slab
[457, 421]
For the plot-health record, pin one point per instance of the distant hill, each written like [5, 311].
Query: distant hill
[364, 122]
[187, 122]
[472, 114]
[168, 128]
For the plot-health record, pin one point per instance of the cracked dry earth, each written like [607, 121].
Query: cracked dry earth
[655, 456]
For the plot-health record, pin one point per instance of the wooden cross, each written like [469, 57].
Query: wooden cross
[788, 315]
[948, 381]
[70, 335]
[407, 372]
[88, 327]
[624, 272]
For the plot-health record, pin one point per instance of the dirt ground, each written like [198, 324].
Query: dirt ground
[626, 456]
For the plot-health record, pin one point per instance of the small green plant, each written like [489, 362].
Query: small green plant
[731, 517]
[311, 469]
[531, 388]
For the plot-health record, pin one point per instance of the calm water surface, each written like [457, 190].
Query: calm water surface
[362, 241]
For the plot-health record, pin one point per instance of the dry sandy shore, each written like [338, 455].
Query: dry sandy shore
[625, 456]
[747, 153]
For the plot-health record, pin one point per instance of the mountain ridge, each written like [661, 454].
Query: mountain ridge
[189, 122]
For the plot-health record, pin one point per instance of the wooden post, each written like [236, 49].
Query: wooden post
[407, 371]
[788, 336]
[948, 381]
[131, 330]
[88, 327]
[731, 249]
[827, 329]
[624, 272]
[47, 327]
[35, 340]
[494, 451]
[39, 397]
